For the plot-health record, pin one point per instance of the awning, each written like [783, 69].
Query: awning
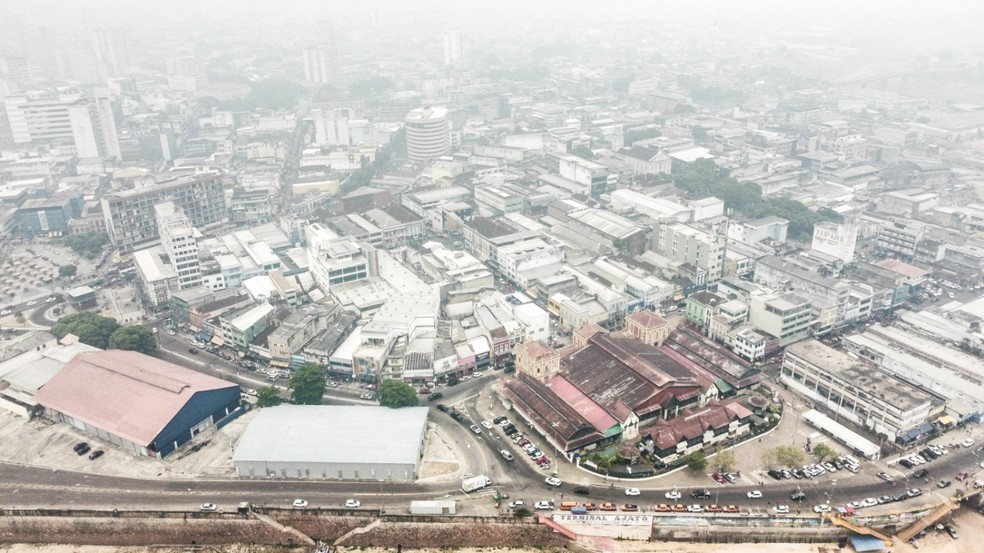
[723, 387]
[217, 341]
[867, 543]
[281, 364]
[945, 419]
[193, 328]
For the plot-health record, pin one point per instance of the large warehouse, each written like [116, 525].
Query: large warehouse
[333, 442]
[137, 402]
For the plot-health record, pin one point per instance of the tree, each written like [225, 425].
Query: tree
[696, 461]
[784, 456]
[92, 329]
[725, 461]
[823, 452]
[522, 512]
[67, 270]
[307, 385]
[395, 394]
[133, 338]
[88, 244]
[268, 396]
[699, 134]
[583, 152]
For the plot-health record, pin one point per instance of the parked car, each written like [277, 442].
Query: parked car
[544, 506]
[943, 483]
[886, 476]
[553, 481]
[96, 454]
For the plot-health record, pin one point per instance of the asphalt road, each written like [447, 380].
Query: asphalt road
[22, 486]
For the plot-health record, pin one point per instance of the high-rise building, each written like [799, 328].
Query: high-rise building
[428, 133]
[81, 124]
[114, 51]
[78, 61]
[452, 48]
[186, 72]
[129, 214]
[311, 57]
[180, 242]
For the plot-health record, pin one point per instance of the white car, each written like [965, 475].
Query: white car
[781, 509]
[673, 495]
[632, 491]
[209, 507]
[487, 424]
[869, 502]
[544, 506]
[300, 504]
[553, 481]
[695, 508]
[754, 494]
[474, 428]
[477, 375]
[352, 503]
[50, 299]
[822, 508]
[967, 443]
[170, 333]
[517, 504]
[251, 392]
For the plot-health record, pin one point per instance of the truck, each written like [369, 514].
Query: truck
[469, 485]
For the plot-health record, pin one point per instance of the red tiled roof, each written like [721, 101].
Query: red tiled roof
[128, 394]
[546, 410]
[584, 405]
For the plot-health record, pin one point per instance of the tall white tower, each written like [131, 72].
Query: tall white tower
[452, 48]
[428, 133]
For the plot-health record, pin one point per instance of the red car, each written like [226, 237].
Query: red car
[719, 478]
[608, 507]
[630, 507]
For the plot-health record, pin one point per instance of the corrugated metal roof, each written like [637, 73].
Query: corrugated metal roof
[125, 393]
[334, 434]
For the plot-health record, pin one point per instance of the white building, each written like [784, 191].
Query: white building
[180, 241]
[301, 441]
[79, 124]
[428, 133]
[836, 239]
[452, 48]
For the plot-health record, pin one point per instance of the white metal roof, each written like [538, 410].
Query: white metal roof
[334, 434]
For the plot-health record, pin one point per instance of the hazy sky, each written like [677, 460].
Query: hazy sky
[900, 29]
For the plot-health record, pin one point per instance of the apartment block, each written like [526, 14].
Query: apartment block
[129, 214]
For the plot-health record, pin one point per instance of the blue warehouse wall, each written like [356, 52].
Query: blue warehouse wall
[211, 404]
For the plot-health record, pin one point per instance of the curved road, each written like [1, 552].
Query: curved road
[28, 487]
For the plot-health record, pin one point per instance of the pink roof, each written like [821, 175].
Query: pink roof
[585, 406]
[128, 394]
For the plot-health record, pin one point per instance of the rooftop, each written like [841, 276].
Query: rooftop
[311, 434]
[126, 393]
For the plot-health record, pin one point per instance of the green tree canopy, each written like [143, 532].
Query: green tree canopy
[823, 452]
[92, 329]
[583, 152]
[133, 338]
[268, 396]
[701, 178]
[696, 461]
[725, 461]
[88, 244]
[395, 394]
[307, 385]
[784, 456]
[67, 270]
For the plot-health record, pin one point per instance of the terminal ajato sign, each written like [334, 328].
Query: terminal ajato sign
[604, 519]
